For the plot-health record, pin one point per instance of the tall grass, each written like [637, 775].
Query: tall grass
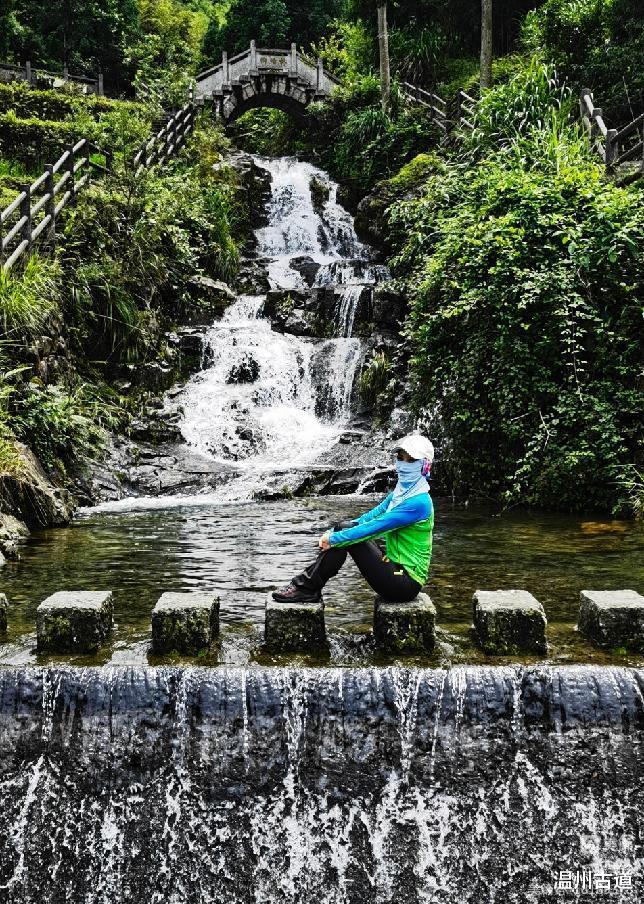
[28, 297]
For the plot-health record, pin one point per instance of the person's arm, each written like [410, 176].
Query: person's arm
[415, 509]
[374, 512]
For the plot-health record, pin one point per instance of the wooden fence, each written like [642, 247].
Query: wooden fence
[34, 75]
[619, 149]
[34, 212]
[169, 140]
[622, 150]
[32, 215]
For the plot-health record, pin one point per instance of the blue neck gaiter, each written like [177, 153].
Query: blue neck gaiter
[409, 472]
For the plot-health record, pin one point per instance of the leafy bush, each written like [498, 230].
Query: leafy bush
[359, 143]
[525, 277]
[55, 104]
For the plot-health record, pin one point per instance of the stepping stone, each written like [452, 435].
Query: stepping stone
[74, 621]
[509, 622]
[405, 627]
[4, 605]
[185, 622]
[612, 618]
[294, 627]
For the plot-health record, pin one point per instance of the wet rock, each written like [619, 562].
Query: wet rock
[31, 497]
[306, 267]
[254, 188]
[380, 481]
[294, 627]
[320, 192]
[612, 618]
[245, 371]
[74, 621]
[210, 299]
[405, 627]
[252, 278]
[185, 622]
[12, 532]
[390, 307]
[4, 606]
[509, 622]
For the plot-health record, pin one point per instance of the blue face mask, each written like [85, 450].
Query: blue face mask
[409, 472]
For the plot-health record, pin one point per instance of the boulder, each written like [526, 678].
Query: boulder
[211, 297]
[389, 307]
[30, 496]
[306, 267]
[245, 371]
[74, 621]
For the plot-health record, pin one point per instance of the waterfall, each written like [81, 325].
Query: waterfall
[270, 400]
[289, 786]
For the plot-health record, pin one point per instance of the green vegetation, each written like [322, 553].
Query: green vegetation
[118, 281]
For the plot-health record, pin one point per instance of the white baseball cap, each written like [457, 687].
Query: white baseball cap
[416, 445]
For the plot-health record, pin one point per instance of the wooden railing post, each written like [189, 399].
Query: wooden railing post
[612, 150]
[100, 87]
[70, 169]
[320, 74]
[50, 206]
[459, 107]
[25, 211]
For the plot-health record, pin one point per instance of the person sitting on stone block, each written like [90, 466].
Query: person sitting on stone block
[405, 518]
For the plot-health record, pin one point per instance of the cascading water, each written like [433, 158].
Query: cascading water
[328, 786]
[271, 399]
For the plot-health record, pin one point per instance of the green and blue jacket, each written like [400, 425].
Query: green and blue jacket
[407, 530]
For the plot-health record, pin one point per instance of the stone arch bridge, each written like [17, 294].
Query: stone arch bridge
[260, 77]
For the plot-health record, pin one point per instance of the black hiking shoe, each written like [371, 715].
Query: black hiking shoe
[292, 594]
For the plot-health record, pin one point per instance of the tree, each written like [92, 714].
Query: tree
[383, 47]
[486, 43]
[265, 21]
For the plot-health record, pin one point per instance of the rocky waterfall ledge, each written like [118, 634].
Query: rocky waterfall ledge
[300, 785]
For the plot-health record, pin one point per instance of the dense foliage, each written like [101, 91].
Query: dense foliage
[525, 276]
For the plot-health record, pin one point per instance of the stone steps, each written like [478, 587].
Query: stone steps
[505, 622]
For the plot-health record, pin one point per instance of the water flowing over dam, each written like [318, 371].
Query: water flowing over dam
[301, 785]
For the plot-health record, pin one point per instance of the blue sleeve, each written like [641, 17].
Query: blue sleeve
[415, 509]
[374, 512]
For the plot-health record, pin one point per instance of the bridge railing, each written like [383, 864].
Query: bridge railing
[256, 60]
[33, 214]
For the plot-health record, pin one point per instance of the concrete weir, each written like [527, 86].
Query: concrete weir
[319, 786]
[185, 622]
[74, 621]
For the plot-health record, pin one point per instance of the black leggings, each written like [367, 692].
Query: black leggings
[389, 579]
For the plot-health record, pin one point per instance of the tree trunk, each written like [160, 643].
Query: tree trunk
[486, 43]
[383, 45]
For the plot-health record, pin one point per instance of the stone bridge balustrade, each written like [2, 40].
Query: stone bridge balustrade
[264, 77]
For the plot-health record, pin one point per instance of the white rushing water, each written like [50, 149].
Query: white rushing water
[272, 401]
